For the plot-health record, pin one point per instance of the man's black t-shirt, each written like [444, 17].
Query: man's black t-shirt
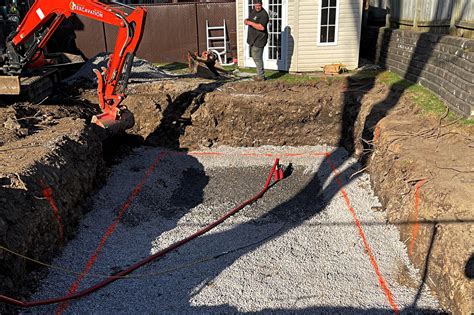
[255, 37]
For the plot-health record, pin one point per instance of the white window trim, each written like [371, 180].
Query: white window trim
[280, 64]
[336, 35]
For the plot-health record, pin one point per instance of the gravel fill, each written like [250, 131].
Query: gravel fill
[295, 250]
[142, 71]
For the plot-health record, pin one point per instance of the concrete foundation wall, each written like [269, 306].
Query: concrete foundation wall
[444, 64]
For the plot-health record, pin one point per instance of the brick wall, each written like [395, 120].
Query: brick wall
[444, 64]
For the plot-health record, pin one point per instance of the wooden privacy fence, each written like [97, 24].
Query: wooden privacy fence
[171, 30]
[436, 16]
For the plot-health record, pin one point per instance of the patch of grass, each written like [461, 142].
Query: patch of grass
[390, 78]
[177, 67]
[365, 75]
[291, 78]
[429, 102]
[230, 68]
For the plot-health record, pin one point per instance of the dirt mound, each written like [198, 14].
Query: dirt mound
[21, 120]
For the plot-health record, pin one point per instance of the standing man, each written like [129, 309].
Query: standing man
[257, 36]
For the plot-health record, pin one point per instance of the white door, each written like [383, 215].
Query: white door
[274, 54]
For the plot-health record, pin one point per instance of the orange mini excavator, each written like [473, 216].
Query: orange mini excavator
[24, 51]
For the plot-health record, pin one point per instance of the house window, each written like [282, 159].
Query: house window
[328, 22]
[274, 29]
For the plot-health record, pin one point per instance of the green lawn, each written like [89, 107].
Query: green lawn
[424, 98]
[175, 67]
[285, 76]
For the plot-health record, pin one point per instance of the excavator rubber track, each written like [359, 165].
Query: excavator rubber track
[31, 88]
[35, 85]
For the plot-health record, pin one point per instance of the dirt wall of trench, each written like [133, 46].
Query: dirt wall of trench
[423, 174]
[44, 181]
[238, 114]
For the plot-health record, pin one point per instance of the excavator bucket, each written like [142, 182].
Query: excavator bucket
[10, 85]
[204, 66]
[113, 124]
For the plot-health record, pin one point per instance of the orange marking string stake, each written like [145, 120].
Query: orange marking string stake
[373, 261]
[376, 134]
[48, 195]
[416, 226]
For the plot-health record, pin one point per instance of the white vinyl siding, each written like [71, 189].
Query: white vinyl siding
[304, 54]
[310, 55]
[240, 31]
[328, 22]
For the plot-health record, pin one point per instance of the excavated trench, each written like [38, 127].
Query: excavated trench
[57, 161]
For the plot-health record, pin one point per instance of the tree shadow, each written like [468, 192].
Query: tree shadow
[276, 75]
[426, 265]
[173, 66]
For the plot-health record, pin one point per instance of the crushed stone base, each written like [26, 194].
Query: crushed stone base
[296, 249]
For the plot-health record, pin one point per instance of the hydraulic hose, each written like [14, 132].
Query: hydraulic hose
[275, 171]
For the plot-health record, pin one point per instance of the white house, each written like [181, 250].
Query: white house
[305, 35]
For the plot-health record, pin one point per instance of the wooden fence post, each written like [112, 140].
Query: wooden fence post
[197, 27]
[417, 14]
[455, 15]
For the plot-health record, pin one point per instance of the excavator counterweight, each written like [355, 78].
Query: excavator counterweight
[10, 85]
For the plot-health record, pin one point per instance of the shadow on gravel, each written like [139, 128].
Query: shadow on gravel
[348, 144]
[469, 269]
[182, 285]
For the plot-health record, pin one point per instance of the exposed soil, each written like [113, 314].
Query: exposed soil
[192, 114]
[60, 165]
[53, 142]
[20, 120]
[418, 152]
[268, 114]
